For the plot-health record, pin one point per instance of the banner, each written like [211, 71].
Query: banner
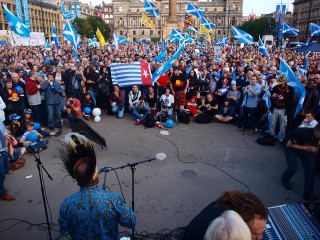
[26, 13]
[277, 13]
[281, 19]
[19, 10]
[78, 10]
[35, 39]
[72, 8]
[147, 21]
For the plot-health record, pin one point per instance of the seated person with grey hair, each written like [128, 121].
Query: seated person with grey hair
[229, 226]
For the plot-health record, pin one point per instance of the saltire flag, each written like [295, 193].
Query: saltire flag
[100, 38]
[71, 35]
[294, 82]
[308, 42]
[163, 45]
[137, 52]
[187, 38]
[115, 41]
[47, 45]
[15, 24]
[125, 75]
[162, 56]
[147, 21]
[187, 27]
[218, 60]
[151, 8]
[194, 10]
[123, 40]
[54, 36]
[218, 42]
[287, 29]
[75, 54]
[263, 49]
[242, 36]
[189, 19]
[177, 35]
[207, 24]
[93, 42]
[173, 38]
[167, 65]
[225, 40]
[66, 15]
[315, 29]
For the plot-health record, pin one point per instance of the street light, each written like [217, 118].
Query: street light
[229, 11]
[42, 17]
[308, 22]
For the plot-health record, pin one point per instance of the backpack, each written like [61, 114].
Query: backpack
[266, 140]
[184, 116]
[203, 118]
[149, 121]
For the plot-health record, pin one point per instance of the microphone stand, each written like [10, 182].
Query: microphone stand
[40, 168]
[133, 169]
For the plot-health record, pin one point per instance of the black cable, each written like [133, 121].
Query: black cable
[119, 183]
[205, 163]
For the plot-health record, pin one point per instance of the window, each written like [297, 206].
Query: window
[142, 32]
[219, 32]
[134, 32]
[151, 32]
[121, 32]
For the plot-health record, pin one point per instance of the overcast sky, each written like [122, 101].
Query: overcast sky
[249, 6]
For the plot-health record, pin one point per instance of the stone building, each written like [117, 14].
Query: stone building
[105, 11]
[127, 17]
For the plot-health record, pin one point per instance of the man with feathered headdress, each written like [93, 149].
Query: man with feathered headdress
[91, 213]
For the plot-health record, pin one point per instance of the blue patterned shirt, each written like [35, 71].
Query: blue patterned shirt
[93, 213]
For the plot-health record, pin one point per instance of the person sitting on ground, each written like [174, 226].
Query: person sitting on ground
[309, 121]
[15, 152]
[73, 110]
[134, 96]
[229, 226]
[225, 112]
[192, 105]
[141, 110]
[15, 125]
[31, 138]
[87, 101]
[117, 101]
[246, 204]
[167, 100]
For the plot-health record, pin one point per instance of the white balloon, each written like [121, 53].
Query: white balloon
[97, 119]
[96, 112]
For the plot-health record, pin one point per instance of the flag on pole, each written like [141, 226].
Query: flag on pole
[93, 42]
[151, 8]
[187, 27]
[54, 36]
[203, 29]
[138, 73]
[287, 29]
[163, 45]
[75, 54]
[71, 35]
[189, 19]
[25, 5]
[147, 21]
[315, 29]
[207, 24]
[162, 56]
[263, 49]
[194, 10]
[48, 45]
[15, 24]
[294, 82]
[66, 15]
[115, 41]
[123, 40]
[242, 36]
[164, 68]
[100, 38]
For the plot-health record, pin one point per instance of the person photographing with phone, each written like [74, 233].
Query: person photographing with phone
[73, 109]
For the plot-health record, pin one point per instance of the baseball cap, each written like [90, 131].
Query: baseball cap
[27, 111]
[14, 117]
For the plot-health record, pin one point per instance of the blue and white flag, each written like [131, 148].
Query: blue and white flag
[137, 51]
[163, 45]
[194, 10]
[162, 56]
[66, 15]
[306, 63]
[54, 36]
[78, 10]
[93, 42]
[165, 67]
[25, 5]
[294, 82]
[15, 24]
[148, 50]
[315, 29]
[115, 41]
[225, 40]
[207, 24]
[234, 78]
[177, 36]
[263, 49]
[71, 35]
[218, 60]
[173, 38]
[286, 29]
[242, 36]
[151, 8]
[48, 45]
[75, 54]
[123, 40]
[218, 42]
[19, 10]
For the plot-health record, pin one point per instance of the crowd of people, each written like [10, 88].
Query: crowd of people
[39, 88]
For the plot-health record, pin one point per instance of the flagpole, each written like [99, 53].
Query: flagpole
[14, 42]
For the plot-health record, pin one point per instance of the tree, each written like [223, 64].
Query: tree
[87, 27]
[258, 27]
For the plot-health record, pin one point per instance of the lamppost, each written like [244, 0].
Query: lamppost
[308, 22]
[230, 9]
[42, 17]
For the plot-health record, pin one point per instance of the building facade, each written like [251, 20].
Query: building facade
[105, 11]
[127, 17]
[301, 11]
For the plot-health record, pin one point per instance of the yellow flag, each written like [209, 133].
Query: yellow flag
[100, 38]
[209, 37]
[147, 21]
[203, 29]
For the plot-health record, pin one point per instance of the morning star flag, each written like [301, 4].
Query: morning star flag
[15, 24]
[194, 10]
[165, 67]
[242, 36]
[263, 49]
[287, 29]
[151, 8]
[54, 36]
[100, 38]
[93, 42]
[137, 73]
[207, 24]
[66, 15]
[315, 29]
[294, 82]
[71, 35]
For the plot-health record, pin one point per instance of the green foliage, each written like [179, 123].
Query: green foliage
[155, 39]
[258, 26]
[87, 27]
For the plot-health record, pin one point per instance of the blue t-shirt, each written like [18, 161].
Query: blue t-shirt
[251, 100]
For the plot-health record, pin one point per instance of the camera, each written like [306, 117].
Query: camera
[71, 102]
[278, 96]
[247, 83]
